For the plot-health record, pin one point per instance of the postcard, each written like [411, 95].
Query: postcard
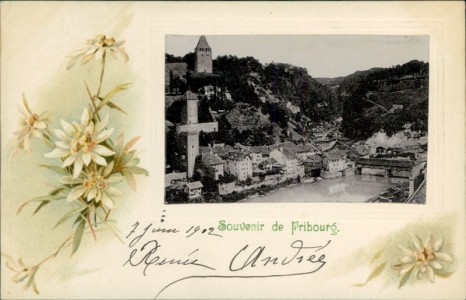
[214, 150]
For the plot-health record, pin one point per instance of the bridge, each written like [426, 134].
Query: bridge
[391, 167]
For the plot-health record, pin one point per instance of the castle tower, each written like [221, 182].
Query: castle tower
[189, 115]
[203, 56]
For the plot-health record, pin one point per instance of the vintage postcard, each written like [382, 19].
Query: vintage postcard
[214, 150]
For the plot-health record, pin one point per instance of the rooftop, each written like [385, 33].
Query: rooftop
[386, 162]
[334, 155]
[189, 96]
[211, 159]
[236, 155]
[202, 43]
[194, 185]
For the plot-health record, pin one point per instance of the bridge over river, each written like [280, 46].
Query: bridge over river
[392, 167]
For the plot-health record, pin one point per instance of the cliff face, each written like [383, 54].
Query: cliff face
[285, 102]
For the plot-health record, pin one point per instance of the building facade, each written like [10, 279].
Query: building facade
[239, 164]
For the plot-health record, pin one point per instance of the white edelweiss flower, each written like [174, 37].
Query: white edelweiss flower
[97, 45]
[80, 143]
[31, 125]
[95, 186]
[421, 257]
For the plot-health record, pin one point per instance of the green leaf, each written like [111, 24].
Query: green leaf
[134, 161]
[40, 199]
[359, 284]
[66, 216]
[26, 104]
[137, 170]
[114, 106]
[109, 96]
[56, 169]
[19, 279]
[127, 157]
[130, 143]
[78, 235]
[131, 180]
[56, 191]
[31, 278]
[377, 256]
[377, 271]
[443, 274]
[405, 278]
[119, 142]
[41, 205]
[89, 93]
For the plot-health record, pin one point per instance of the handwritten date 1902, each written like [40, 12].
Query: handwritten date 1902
[197, 229]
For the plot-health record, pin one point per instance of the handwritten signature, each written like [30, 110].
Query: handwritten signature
[248, 261]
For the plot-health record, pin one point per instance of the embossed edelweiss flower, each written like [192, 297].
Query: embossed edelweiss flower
[81, 143]
[421, 257]
[31, 125]
[96, 186]
[100, 43]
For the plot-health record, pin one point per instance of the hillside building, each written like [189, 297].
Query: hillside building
[238, 164]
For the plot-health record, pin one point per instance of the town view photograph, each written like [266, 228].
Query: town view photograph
[296, 118]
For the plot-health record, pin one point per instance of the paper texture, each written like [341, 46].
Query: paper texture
[354, 257]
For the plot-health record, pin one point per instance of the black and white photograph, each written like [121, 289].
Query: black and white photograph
[296, 118]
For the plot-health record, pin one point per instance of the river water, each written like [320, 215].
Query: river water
[355, 188]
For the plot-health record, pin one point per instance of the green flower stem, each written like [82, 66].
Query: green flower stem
[56, 252]
[92, 108]
[90, 225]
[108, 225]
[103, 220]
[48, 140]
[104, 54]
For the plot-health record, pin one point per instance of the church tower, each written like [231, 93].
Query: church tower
[203, 56]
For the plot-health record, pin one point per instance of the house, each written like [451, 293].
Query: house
[238, 164]
[194, 189]
[258, 155]
[213, 164]
[335, 161]
[290, 161]
[304, 151]
[313, 165]
[268, 164]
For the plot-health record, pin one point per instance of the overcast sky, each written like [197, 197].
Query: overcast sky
[321, 55]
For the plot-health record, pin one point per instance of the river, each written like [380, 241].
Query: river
[355, 188]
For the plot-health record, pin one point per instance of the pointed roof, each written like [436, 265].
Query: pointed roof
[202, 43]
[189, 96]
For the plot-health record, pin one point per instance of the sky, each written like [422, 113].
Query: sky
[321, 55]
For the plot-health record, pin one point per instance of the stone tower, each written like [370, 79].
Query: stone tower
[189, 114]
[203, 56]
[189, 130]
